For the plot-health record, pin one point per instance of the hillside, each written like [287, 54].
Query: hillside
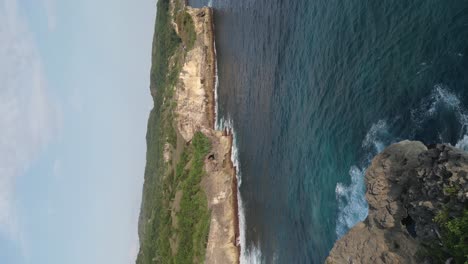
[188, 203]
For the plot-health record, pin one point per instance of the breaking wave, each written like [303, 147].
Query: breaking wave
[216, 82]
[438, 99]
[352, 205]
[250, 255]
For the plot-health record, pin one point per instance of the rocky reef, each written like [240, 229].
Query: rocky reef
[417, 198]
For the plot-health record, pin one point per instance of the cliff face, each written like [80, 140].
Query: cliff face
[194, 96]
[408, 186]
[189, 203]
[195, 89]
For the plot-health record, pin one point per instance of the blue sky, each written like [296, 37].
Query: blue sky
[74, 102]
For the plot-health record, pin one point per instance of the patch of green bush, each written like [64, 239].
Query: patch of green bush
[451, 191]
[186, 29]
[165, 43]
[162, 180]
[194, 217]
[454, 237]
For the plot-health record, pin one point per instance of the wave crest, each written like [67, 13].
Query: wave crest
[252, 254]
[352, 205]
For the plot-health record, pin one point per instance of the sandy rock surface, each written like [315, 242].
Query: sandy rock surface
[405, 190]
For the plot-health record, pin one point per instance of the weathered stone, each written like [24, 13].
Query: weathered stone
[405, 190]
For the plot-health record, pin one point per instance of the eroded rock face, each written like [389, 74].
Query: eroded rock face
[194, 93]
[407, 185]
[195, 112]
[222, 201]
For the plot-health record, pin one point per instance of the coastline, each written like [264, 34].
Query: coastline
[418, 199]
[189, 210]
[235, 197]
[196, 111]
[212, 115]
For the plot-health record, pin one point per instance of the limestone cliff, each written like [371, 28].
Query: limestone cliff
[194, 96]
[409, 185]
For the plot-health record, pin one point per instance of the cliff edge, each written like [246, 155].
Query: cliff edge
[194, 97]
[188, 211]
[417, 198]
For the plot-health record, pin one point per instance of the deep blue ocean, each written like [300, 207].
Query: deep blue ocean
[314, 89]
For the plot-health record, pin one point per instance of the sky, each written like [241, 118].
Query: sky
[74, 104]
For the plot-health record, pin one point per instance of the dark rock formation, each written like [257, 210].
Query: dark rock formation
[408, 184]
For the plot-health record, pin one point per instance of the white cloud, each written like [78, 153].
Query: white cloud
[50, 6]
[27, 115]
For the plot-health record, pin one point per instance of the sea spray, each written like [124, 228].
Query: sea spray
[216, 85]
[251, 255]
[351, 201]
[352, 206]
[442, 98]
[463, 143]
[429, 106]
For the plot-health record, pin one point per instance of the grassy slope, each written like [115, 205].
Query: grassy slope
[161, 181]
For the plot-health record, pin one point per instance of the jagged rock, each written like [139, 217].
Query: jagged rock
[407, 185]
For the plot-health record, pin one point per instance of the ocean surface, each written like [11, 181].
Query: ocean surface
[313, 90]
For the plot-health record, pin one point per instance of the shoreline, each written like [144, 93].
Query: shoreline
[190, 189]
[235, 198]
[214, 60]
[196, 111]
[213, 117]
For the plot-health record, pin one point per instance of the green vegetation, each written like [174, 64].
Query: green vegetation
[452, 221]
[187, 29]
[193, 217]
[170, 232]
[454, 234]
[451, 191]
[188, 231]
[165, 43]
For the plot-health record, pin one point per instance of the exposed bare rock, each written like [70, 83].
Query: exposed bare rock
[222, 200]
[194, 94]
[195, 112]
[406, 187]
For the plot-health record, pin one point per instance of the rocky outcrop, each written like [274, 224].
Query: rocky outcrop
[408, 184]
[220, 186]
[194, 96]
[195, 90]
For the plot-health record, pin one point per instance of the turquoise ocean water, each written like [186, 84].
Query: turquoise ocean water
[313, 90]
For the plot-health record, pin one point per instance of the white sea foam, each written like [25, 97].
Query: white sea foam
[352, 204]
[463, 143]
[440, 97]
[210, 3]
[216, 85]
[443, 97]
[375, 137]
[251, 255]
